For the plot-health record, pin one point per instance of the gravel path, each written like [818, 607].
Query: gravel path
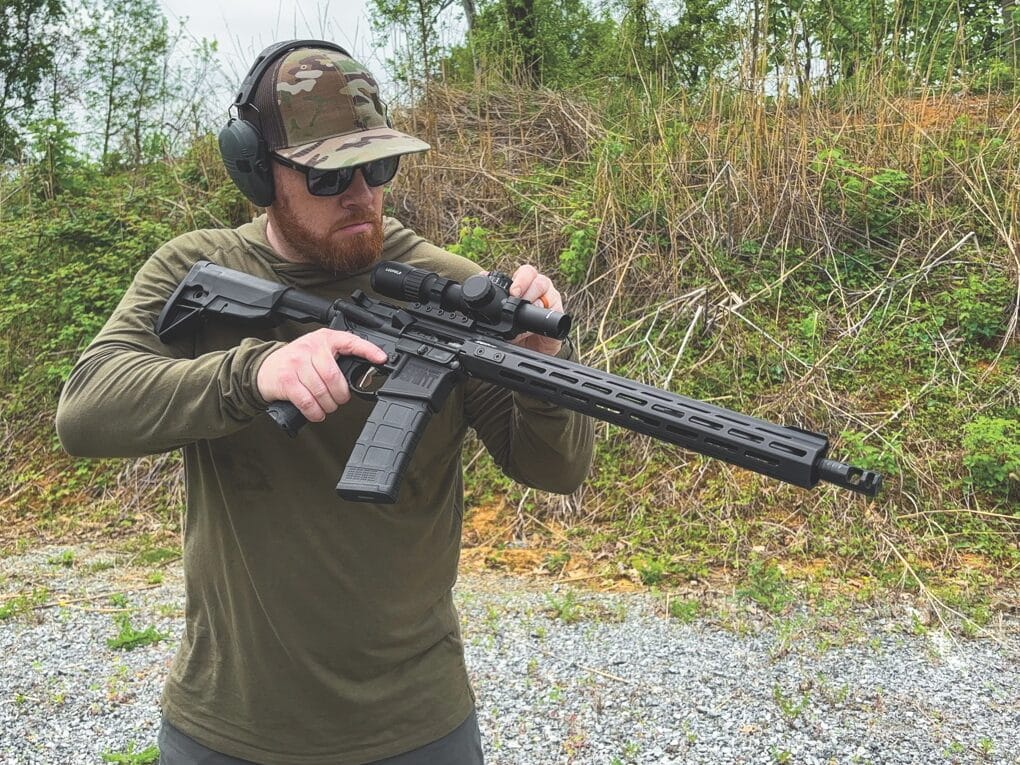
[623, 683]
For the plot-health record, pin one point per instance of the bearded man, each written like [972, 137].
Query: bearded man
[317, 632]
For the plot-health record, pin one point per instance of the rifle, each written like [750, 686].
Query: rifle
[448, 330]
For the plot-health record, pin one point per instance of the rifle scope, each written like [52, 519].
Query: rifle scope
[486, 299]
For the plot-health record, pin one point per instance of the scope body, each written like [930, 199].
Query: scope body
[483, 298]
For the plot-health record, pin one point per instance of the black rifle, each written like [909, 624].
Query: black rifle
[450, 330]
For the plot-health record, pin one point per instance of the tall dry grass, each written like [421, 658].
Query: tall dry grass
[720, 219]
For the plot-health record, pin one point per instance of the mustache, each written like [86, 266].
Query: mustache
[354, 220]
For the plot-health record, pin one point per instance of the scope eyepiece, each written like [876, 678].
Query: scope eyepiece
[403, 282]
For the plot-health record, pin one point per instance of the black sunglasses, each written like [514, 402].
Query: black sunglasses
[328, 183]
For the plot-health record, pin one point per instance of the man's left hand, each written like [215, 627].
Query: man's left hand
[534, 287]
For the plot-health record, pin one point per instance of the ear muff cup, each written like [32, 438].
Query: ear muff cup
[246, 159]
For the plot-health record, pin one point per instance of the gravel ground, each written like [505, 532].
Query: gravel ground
[624, 683]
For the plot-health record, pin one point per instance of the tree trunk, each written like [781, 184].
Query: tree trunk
[423, 32]
[1010, 32]
[469, 14]
[524, 36]
[805, 85]
[110, 91]
[755, 39]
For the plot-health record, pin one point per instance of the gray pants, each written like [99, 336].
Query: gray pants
[461, 747]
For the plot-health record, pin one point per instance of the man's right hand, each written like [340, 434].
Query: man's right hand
[305, 371]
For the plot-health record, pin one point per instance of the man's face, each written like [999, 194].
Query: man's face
[342, 234]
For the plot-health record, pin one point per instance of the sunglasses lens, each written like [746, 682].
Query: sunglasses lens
[380, 171]
[326, 183]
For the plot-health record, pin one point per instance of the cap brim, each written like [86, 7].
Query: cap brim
[353, 148]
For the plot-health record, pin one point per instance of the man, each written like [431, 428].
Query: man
[316, 631]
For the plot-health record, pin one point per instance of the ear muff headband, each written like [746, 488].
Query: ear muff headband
[242, 147]
[268, 56]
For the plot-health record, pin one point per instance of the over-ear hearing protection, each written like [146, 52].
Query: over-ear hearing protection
[242, 146]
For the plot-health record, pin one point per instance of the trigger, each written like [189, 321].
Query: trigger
[358, 373]
[365, 379]
[360, 380]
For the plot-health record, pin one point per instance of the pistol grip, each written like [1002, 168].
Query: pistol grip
[377, 464]
[289, 417]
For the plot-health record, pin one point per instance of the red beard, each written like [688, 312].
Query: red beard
[332, 251]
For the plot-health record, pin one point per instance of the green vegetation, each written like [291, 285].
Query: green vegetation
[566, 607]
[23, 603]
[837, 45]
[820, 233]
[685, 610]
[131, 756]
[650, 570]
[65, 559]
[128, 638]
[790, 708]
[767, 586]
[556, 562]
[992, 454]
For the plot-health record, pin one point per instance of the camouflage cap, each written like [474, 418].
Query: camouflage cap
[321, 108]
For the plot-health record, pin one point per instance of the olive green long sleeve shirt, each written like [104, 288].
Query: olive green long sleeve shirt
[316, 631]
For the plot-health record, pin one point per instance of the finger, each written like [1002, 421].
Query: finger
[337, 389]
[523, 277]
[313, 383]
[296, 393]
[555, 299]
[522, 339]
[538, 287]
[347, 344]
[551, 299]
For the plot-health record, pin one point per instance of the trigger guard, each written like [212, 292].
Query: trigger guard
[367, 395]
[362, 374]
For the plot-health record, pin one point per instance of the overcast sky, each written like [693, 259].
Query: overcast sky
[242, 28]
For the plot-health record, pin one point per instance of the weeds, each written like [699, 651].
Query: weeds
[651, 570]
[992, 455]
[567, 608]
[556, 562]
[65, 559]
[24, 603]
[790, 708]
[131, 756]
[767, 586]
[687, 611]
[128, 638]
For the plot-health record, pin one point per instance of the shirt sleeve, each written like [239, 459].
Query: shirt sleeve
[130, 394]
